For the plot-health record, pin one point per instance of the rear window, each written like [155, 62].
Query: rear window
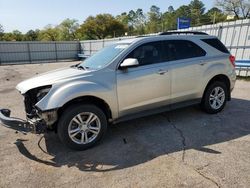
[216, 43]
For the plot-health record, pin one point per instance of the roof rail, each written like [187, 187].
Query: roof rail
[183, 32]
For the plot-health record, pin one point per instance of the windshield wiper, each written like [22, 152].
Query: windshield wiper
[81, 67]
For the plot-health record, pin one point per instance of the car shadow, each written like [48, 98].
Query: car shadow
[138, 141]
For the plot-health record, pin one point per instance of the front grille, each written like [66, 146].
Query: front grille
[29, 103]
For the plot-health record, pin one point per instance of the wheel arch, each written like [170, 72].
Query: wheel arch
[222, 78]
[88, 100]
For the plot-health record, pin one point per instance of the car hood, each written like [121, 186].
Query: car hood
[50, 78]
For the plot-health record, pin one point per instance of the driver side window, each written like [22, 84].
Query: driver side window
[149, 53]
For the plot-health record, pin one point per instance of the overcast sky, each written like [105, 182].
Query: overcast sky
[35, 14]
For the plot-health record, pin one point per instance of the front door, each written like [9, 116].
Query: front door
[146, 86]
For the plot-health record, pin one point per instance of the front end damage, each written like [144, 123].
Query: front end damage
[37, 121]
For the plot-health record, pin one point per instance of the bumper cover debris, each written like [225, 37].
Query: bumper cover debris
[21, 125]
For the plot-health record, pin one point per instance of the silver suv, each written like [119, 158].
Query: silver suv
[126, 80]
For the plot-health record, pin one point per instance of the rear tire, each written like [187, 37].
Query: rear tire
[215, 97]
[82, 126]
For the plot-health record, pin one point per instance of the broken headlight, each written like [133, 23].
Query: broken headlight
[42, 92]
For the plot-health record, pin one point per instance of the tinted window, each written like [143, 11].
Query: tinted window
[216, 44]
[148, 53]
[181, 49]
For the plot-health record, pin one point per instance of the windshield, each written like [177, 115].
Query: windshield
[103, 57]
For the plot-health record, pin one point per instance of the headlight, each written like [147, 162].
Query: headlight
[42, 93]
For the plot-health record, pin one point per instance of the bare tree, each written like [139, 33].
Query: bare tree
[240, 8]
[245, 8]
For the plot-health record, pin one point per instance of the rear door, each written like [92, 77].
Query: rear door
[186, 59]
[146, 86]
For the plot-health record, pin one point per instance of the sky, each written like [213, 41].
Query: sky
[24, 15]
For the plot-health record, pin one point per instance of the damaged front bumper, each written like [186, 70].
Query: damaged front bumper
[36, 126]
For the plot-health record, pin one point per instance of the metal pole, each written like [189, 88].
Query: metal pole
[220, 29]
[226, 33]
[245, 42]
[56, 51]
[80, 47]
[90, 49]
[238, 41]
[28, 46]
[233, 36]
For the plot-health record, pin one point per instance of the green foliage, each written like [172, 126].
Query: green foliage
[197, 9]
[31, 35]
[133, 22]
[154, 20]
[214, 15]
[49, 33]
[14, 36]
[68, 29]
[100, 27]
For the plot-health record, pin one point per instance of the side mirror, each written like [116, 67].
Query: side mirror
[130, 62]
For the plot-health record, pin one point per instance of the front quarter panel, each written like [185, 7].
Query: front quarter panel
[63, 93]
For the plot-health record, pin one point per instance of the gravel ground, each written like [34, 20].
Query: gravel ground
[182, 148]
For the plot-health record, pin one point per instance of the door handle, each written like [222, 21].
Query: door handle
[162, 72]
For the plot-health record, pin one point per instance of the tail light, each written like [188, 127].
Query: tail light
[232, 60]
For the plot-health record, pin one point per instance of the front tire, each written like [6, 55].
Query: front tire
[215, 97]
[82, 126]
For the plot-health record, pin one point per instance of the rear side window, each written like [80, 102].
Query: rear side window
[216, 43]
[181, 49]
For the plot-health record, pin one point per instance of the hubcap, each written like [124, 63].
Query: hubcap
[217, 98]
[84, 128]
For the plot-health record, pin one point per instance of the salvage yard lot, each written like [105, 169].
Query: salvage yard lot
[182, 148]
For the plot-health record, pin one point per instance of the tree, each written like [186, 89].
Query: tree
[197, 10]
[8, 37]
[183, 11]
[170, 9]
[168, 21]
[128, 20]
[131, 21]
[123, 18]
[154, 20]
[1, 32]
[17, 35]
[214, 15]
[68, 29]
[101, 26]
[240, 8]
[49, 33]
[139, 19]
[31, 35]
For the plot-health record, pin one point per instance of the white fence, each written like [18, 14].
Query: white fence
[235, 35]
